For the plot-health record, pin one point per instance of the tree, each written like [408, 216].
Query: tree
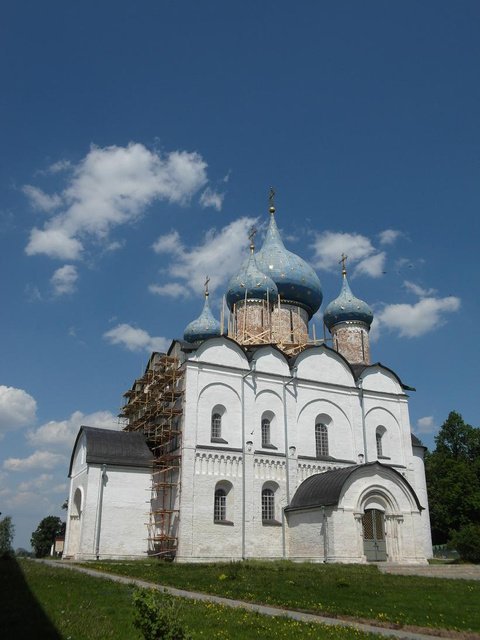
[7, 531]
[453, 478]
[44, 536]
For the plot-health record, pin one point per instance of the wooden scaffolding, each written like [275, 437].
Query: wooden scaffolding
[154, 407]
[258, 323]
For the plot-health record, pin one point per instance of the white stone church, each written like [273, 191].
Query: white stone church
[251, 438]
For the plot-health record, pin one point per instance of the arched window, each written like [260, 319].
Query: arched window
[76, 512]
[379, 440]
[268, 504]
[216, 425]
[223, 503]
[321, 439]
[220, 505]
[265, 432]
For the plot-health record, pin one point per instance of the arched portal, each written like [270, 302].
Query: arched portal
[374, 542]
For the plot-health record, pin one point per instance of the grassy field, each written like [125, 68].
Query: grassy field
[37, 601]
[361, 592]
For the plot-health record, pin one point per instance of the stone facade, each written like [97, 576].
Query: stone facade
[351, 339]
[321, 385]
[107, 510]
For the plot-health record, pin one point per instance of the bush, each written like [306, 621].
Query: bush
[467, 542]
[157, 616]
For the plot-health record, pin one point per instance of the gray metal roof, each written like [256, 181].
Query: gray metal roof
[416, 442]
[116, 448]
[324, 489]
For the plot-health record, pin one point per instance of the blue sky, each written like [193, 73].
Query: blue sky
[139, 141]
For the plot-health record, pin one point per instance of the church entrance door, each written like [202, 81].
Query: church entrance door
[374, 544]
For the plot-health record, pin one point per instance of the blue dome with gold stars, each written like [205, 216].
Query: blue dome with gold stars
[205, 326]
[250, 282]
[347, 308]
[296, 281]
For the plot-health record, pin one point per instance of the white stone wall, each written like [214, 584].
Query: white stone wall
[321, 387]
[122, 520]
[421, 488]
[306, 539]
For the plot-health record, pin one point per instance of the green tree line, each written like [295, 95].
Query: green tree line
[453, 481]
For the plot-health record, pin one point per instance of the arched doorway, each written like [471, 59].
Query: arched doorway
[374, 543]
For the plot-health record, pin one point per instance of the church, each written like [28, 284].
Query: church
[252, 438]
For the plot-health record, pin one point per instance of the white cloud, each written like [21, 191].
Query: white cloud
[372, 266]
[211, 198]
[168, 243]
[425, 425]
[64, 280]
[172, 289]
[41, 200]
[62, 433]
[54, 168]
[113, 186]
[35, 484]
[135, 339]
[414, 320]
[219, 255]
[38, 460]
[330, 245]
[389, 236]
[54, 242]
[17, 409]
[417, 290]
[59, 166]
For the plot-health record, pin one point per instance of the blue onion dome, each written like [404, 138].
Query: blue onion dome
[296, 281]
[251, 283]
[205, 326]
[347, 308]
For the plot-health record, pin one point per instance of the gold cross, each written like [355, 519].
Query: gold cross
[251, 234]
[342, 261]
[271, 196]
[207, 280]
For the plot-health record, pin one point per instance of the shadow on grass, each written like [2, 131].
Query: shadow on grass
[21, 615]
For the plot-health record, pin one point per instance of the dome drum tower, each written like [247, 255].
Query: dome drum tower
[351, 339]
[290, 325]
[348, 319]
[273, 296]
[272, 299]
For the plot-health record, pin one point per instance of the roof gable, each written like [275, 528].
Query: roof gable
[115, 448]
[323, 364]
[221, 351]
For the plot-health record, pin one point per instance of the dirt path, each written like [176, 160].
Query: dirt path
[451, 571]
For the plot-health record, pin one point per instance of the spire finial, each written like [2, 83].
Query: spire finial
[207, 280]
[271, 198]
[343, 261]
[251, 235]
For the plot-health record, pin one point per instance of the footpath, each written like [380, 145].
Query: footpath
[400, 634]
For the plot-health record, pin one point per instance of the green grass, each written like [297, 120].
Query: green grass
[357, 591]
[38, 601]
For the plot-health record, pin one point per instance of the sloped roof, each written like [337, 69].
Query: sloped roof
[324, 489]
[116, 448]
[416, 442]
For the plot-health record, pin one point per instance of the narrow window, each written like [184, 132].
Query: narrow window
[321, 439]
[265, 432]
[216, 425]
[378, 437]
[220, 506]
[268, 504]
